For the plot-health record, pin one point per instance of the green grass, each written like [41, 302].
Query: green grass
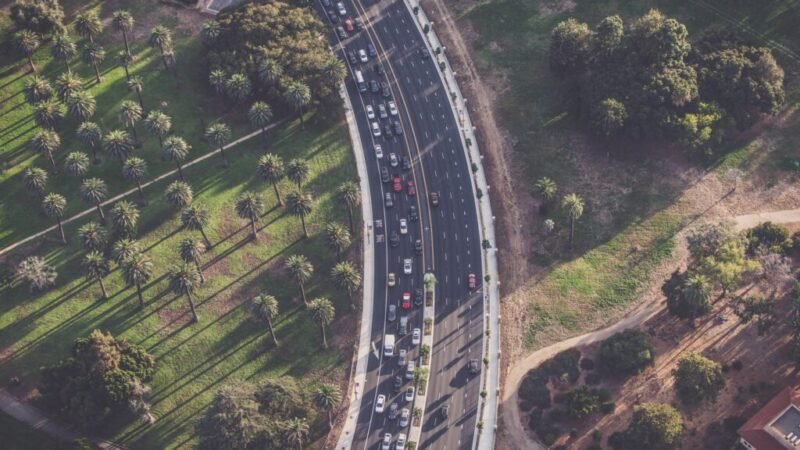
[16, 435]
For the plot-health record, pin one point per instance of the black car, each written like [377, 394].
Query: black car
[445, 411]
[379, 69]
[394, 239]
[398, 383]
[385, 89]
[351, 55]
[418, 297]
[398, 130]
[418, 246]
[385, 175]
[406, 162]
[388, 130]
[359, 24]
[424, 53]
[393, 411]
[333, 16]
[374, 87]
[342, 34]
[371, 50]
[412, 210]
[473, 366]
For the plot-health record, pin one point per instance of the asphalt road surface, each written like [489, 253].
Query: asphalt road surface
[448, 232]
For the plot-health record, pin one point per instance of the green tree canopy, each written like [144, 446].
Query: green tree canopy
[698, 378]
[626, 353]
[654, 426]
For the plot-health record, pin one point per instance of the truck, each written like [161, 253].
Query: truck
[362, 85]
[388, 345]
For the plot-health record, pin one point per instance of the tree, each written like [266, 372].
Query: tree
[88, 25]
[81, 106]
[337, 237]
[260, 115]
[176, 149]
[93, 236]
[298, 96]
[93, 192]
[37, 273]
[270, 169]
[95, 267]
[573, 205]
[698, 378]
[129, 114]
[37, 89]
[191, 250]
[546, 188]
[217, 78]
[301, 270]
[47, 142]
[348, 278]
[35, 180]
[27, 42]
[118, 143]
[775, 268]
[123, 22]
[90, 135]
[219, 134]
[161, 40]
[299, 204]
[581, 401]
[295, 432]
[184, 280]
[158, 124]
[687, 295]
[76, 164]
[195, 217]
[124, 249]
[707, 239]
[63, 49]
[265, 310]
[608, 36]
[94, 54]
[269, 71]
[608, 117]
[333, 70]
[653, 426]
[232, 420]
[210, 32]
[138, 402]
[626, 353]
[179, 194]
[124, 217]
[48, 113]
[327, 397]
[350, 195]
[124, 60]
[135, 85]
[570, 47]
[726, 266]
[54, 206]
[238, 88]
[323, 312]
[39, 16]
[768, 238]
[67, 84]
[134, 170]
[250, 206]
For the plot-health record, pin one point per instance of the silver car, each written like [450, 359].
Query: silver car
[404, 416]
[392, 316]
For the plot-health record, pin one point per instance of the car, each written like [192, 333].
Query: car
[407, 266]
[378, 151]
[374, 86]
[418, 246]
[434, 196]
[471, 281]
[397, 383]
[388, 130]
[403, 226]
[403, 328]
[326, 3]
[382, 111]
[362, 55]
[392, 279]
[473, 366]
[418, 297]
[333, 16]
[392, 108]
[341, 33]
[401, 442]
[348, 25]
[370, 112]
[386, 443]
[393, 410]
[380, 404]
[424, 53]
[351, 55]
[376, 129]
[394, 239]
[359, 24]
[385, 89]
[406, 163]
[445, 411]
[412, 213]
[409, 397]
[416, 336]
[405, 303]
[340, 8]
[398, 129]
[401, 358]
[397, 183]
[388, 200]
[410, 370]
[405, 414]
[391, 316]
[393, 161]
[385, 174]
[412, 188]
[379, 70]
[371, 50]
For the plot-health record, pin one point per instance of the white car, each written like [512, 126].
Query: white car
[340, 7]
[401, 442]
[376, 129]
[404, 416]
[378, 151]
[386, 444]
[362, 55]
[415, 336]
[409, 397]
[380, 405]
[393, 161]
[392, 108]
[370, 112]
[407, 266]
[403, 226]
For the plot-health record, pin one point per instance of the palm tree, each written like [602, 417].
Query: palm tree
[137, 269]
[217, 80]
[123, 22]
[338, 238]
[129, 114]
[46, 142]
[299, 204]
[35, 180]
[81, 105]
[696, 291]
[118, 143]
[238, 87]
[175, 149]
[350, 195]
[158, 124]
[54, 206]
[260, 115]
[219, 134]
[124, 249]
[124, 60]
[48, 113]
[161, 40]
[67, 84]
[269, 71]
[135, 84]
[270, 169]
[333, 71]
[297, 171]
[573, 204]
[88, 25]
[327, 397]
[27, 42]
[124, 217]
[94, 191]
[298, 95]
[94, 54]
[37, 89]
[250, 206]
[190, 250]
[301, 270]
[93, 236]
[265, 310]
[195, 217]
[135, 170]
[63, 49]
[546, 188]
[183, 280]
[323, 312]
[90, 135]
[347, 277]
[295, 432]
[210, 32]
[95, 267]
[179, 194]
[76, 164]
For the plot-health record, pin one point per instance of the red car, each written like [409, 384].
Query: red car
[397, 183]
[471, 281]
[348, 25]
[406, 304]
[412, 189]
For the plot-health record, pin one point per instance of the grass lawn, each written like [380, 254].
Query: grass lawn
[632, 209]
[15, 435]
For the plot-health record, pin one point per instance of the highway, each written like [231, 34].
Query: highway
[448, 232]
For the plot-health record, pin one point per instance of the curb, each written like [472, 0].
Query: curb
[428, 312]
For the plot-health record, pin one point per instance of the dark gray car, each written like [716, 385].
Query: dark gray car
[392, 315]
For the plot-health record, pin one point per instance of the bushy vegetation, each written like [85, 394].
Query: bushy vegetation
[581, 401]
[698, 379]
[653, 426]
[626, 353]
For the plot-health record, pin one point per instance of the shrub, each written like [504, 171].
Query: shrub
[698, 378]
[564, 365]
[534, 389]
[625, 353]
[587, 364]
[597, 435]
[770, 237]
[608, 407]
[660, 426]
[603, 395]
[581, 402]
[535, 419]
[737, 365]
[593, 378]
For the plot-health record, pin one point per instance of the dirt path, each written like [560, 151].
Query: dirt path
[750, 220]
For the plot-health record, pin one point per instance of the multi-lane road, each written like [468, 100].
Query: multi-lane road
[448, 232]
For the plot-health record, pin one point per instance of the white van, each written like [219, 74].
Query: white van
[388, 345]
[362, 85]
